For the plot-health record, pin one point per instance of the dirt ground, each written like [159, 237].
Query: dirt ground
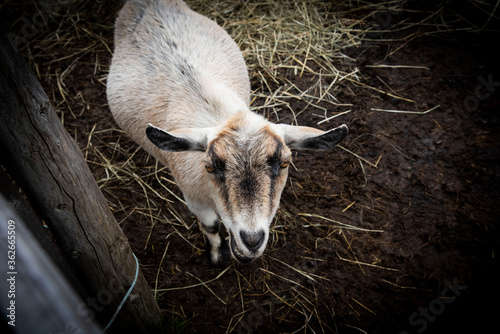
[401, 237]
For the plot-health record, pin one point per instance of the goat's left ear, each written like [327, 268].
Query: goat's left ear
[307, 138]
[178, 140]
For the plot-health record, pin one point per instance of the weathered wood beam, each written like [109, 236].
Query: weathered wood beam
[22, 208]
[49, 166]
[38, 298]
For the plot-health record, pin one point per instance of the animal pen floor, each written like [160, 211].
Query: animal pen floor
[394, 231]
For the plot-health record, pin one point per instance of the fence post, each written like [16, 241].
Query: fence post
[37, 298]
[49, 166]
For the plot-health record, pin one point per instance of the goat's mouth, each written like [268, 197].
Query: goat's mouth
[236, 251]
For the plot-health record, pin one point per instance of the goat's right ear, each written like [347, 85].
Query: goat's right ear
[178, 140]
[307, 138]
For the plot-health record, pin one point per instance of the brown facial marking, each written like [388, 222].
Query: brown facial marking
[248, 170]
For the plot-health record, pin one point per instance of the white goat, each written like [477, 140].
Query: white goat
[180, 71]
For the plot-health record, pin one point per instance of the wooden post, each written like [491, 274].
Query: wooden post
[49, 166]
[38, 298]
[20, 206]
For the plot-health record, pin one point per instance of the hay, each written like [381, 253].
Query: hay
[295, 51]
[289, 39]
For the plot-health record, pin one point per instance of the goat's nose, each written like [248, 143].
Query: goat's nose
[252, 240]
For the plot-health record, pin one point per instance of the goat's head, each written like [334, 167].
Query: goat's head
[246, 162]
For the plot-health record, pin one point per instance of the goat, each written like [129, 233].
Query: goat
[178, 86]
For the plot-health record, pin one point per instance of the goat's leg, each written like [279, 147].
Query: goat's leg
[217, 248]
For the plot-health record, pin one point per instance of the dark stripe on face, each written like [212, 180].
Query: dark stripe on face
[225, 194]
[275, 164]
[271, 193]
[219, 166]
[249, 184]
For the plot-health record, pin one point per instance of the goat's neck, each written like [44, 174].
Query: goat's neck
[225, 103]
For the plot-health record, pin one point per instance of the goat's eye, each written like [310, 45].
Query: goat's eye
[285, 164]
[209, 168]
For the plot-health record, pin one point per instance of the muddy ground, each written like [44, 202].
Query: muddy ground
[427, 203]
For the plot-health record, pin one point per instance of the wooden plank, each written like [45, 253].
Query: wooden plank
[37, 297]
[49, 166]
[22, 208]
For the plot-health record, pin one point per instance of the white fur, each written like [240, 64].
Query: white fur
[182, 73]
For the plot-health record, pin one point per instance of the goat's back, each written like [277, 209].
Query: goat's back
[172, 67]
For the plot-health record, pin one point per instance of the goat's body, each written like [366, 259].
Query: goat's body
[183, 73]
[179, 68]
[176, 69]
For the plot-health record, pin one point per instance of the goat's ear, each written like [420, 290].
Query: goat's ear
[307, 138]
[179, 140]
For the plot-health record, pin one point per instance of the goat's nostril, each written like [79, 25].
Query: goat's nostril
[252, 240]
